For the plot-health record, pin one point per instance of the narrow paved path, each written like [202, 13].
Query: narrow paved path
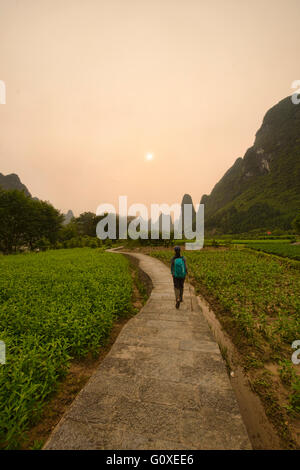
[163, 385]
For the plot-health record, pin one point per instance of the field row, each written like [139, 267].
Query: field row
[278, 247]
[285, 250]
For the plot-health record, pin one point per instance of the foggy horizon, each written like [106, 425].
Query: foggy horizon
[93, 87]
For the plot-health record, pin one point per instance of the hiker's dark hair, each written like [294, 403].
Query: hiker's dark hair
[177, 250]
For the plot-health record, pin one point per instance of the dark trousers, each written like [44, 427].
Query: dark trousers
[178, 287]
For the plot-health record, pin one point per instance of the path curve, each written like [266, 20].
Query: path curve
[163, 385]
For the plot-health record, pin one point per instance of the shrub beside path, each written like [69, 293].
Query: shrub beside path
[163, 385]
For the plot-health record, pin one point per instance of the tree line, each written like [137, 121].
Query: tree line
[28, 224]
[31, 224]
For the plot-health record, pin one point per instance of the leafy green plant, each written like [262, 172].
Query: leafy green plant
[286, 372]
[54, 306]
[295, 395]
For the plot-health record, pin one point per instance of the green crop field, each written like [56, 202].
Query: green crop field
[268, 241]
[286, 250]
[259, 293]
[53, 306]
[256, 298]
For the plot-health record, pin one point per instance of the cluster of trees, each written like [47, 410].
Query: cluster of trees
[30, 224]
[80, 232]
[296, 223]
[24, 221]
[258, 216]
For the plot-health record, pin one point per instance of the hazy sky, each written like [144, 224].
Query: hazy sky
[94, 85]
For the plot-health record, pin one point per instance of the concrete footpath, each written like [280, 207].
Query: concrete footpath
[163, 385]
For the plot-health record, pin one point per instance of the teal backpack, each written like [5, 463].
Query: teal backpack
[179, 268]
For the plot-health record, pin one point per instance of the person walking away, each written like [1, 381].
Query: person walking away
[178, 271]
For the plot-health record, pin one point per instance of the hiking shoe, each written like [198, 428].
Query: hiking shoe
[181, 299]
[177, 303]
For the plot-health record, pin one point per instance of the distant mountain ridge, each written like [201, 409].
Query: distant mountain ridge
[262, 189]
[12, 181]
[68, 217]
[186, 200]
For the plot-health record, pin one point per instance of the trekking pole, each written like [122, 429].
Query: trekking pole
[188, 276]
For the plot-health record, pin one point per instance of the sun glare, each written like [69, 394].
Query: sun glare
[149, 156]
